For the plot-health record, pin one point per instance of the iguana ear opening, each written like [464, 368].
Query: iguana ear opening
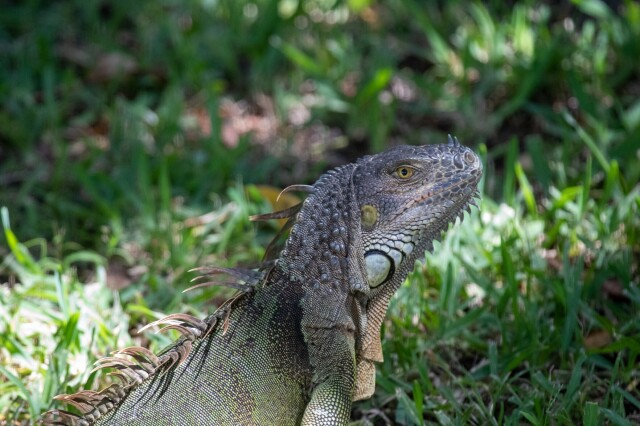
[368, 216]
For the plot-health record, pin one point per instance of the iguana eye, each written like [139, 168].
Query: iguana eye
[404, 172]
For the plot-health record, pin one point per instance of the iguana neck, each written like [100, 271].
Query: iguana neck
[325, 246]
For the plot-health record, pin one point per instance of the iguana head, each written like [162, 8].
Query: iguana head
[407, 197]
[358, 234]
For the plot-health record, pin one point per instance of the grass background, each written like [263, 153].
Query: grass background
[131, 134]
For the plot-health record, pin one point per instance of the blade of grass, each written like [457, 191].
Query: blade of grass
[588, 140]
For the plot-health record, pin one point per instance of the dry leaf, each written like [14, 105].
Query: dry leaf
[277, 201]
[597, 339]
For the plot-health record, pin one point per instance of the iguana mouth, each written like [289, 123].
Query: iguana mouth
[431, 194]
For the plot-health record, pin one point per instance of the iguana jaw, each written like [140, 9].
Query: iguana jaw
[371, 350]
[383, 256]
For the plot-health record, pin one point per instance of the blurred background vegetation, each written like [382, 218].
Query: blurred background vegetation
[132, 134]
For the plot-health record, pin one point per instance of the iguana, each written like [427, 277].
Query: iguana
[299, 342]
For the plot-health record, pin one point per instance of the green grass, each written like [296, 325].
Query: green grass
[125, 160]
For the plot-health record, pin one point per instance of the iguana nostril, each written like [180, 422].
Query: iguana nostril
[469, 157]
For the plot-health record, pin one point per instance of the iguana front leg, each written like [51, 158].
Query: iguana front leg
[333, 356]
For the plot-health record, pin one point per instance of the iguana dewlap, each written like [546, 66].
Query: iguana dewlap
[299, 343]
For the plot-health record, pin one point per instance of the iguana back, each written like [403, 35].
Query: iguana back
[299, 343]
[255, 373]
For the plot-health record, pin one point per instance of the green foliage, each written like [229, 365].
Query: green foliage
[119, 175]
[44, 342]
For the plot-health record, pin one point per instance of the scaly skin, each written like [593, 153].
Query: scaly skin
[300, 344]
